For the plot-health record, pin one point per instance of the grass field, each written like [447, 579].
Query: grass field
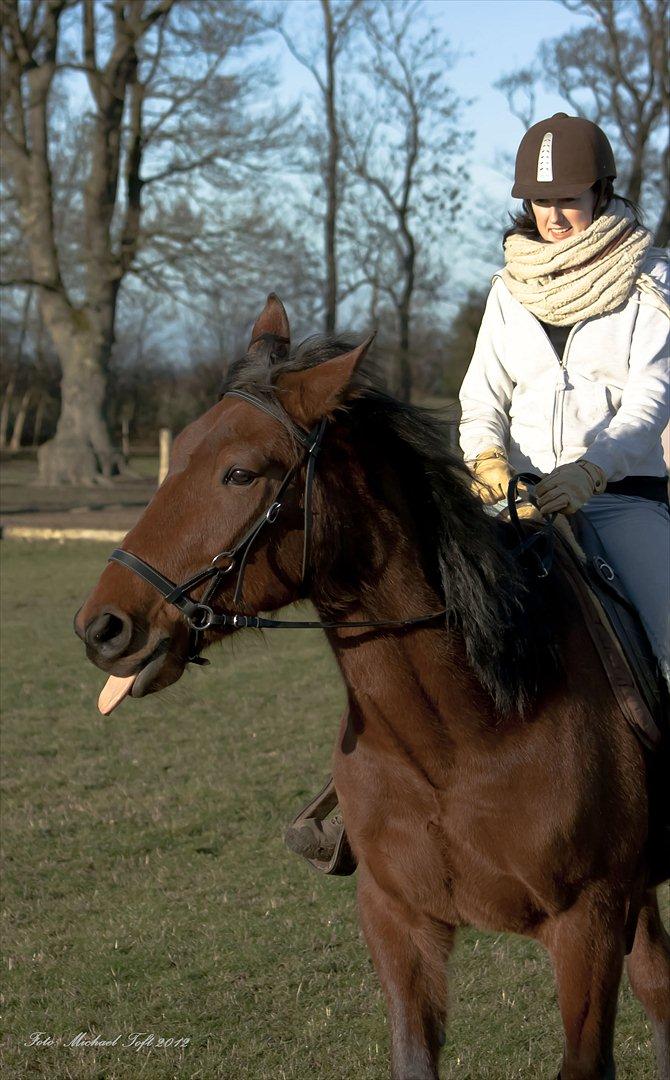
[147, 888]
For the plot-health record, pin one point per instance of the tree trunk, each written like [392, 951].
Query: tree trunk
[404, 366]
[39, 417]
[374, 302]
[125, 438]
[17, 433]
[662, 234]
[5, 411]
[635, 181]
[81, 451]
[332, 164]
[404, 312]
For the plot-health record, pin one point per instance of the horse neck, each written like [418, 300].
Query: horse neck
[414, 682]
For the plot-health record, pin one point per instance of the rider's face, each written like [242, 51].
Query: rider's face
[558, 219]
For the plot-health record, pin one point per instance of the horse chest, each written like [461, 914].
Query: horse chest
[454, 860]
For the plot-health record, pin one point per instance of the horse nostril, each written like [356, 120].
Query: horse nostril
[111, 626]
[109, 633]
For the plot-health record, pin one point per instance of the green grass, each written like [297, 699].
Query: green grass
[147, 888]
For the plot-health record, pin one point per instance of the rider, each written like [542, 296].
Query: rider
[569, 378]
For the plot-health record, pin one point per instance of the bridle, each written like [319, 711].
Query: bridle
[200, 615]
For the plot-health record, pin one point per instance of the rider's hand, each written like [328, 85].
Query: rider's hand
[492, 474]
[569, 486]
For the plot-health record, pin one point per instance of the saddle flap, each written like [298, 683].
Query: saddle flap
[616, 630]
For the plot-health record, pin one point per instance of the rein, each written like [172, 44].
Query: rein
[534, 542]
[200, 615]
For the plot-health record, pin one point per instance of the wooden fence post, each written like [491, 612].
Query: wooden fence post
[164, 448]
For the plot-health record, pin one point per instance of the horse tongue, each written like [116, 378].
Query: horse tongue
[113, 693]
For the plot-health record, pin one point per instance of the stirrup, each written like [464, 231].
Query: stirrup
[342, 862]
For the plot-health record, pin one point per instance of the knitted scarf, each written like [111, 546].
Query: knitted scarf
[589, 274]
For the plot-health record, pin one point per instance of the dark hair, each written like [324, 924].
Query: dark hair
[524, 224]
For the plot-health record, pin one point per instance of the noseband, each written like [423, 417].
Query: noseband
[200, 615]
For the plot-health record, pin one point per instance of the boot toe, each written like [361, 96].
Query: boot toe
[309, 841]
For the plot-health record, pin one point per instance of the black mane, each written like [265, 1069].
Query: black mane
[502, 613]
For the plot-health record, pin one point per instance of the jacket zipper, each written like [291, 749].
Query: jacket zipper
[559, 393]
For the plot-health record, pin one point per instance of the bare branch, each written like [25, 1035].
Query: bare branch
[301, 57]
[90, 66]
[615, 72]
[519, 89]
[30, 283]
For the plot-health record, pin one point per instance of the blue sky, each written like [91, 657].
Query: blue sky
[500, 36]
[493, 37]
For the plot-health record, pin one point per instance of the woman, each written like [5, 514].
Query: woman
[569, 377]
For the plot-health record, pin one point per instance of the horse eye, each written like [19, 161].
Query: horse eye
[240, 477]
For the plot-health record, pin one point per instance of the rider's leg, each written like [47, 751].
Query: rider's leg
[635, 533]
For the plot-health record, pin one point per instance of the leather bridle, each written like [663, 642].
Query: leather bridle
[200, 615]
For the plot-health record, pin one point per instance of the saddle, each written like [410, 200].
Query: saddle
[610, 617]
[615, 629]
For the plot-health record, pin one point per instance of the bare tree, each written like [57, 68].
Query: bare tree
[168, 131]
[45, 380]
[6, 409]
[405, 144]
[321, 59]
[15, 365]
[615, 72]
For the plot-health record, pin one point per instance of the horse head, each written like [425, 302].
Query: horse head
[232, 506]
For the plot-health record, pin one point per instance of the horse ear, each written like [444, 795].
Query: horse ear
[271, 330]
[316, 392]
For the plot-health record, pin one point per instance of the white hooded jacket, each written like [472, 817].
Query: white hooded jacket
[607, 400]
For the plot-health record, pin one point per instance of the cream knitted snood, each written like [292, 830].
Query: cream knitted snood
[589, 274]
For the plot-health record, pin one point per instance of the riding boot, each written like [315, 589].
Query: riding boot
[317, 834]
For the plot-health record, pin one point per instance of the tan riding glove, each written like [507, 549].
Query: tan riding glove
[492, 474]
[569, 486]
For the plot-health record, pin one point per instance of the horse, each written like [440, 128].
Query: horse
[485, 774]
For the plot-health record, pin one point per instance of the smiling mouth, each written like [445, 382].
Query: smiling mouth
[118, 687]
[559, 231]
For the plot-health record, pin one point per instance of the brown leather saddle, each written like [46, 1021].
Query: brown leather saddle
[617, 632]
[611, 618]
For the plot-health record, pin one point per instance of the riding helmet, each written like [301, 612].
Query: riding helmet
[562, 157]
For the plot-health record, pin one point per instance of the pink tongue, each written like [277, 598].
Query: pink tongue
[113, 692]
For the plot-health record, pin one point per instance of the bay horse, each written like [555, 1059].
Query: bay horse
[485, 775]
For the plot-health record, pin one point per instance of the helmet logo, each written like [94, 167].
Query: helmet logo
[544, 165]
